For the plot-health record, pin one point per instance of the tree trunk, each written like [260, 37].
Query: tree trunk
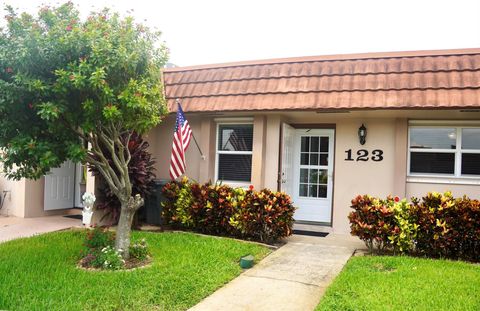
[128, 209]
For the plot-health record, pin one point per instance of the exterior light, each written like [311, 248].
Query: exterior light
[362, 134]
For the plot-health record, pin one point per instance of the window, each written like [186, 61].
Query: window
[313, 166]
[234, 152]
[448, 151]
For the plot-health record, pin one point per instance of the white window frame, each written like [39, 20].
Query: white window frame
[239, 121]
[457, 176]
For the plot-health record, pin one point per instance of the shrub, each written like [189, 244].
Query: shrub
[99, 238]
[109, 258]
[383, 224]
[438, 225]
[99, 251]
[140, 170]
[449, 227]
[222, 210]
[139, 250]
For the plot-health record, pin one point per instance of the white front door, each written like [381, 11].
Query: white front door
[312, 174]
[60, 187]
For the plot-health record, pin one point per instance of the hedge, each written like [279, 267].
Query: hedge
[438, 225]
[219, 209]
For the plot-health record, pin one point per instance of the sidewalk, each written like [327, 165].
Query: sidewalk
[292, 278]
[13, 227]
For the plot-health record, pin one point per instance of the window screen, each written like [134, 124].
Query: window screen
[234, 152]
[431, 162]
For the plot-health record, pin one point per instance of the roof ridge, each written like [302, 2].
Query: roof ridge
[330, 58]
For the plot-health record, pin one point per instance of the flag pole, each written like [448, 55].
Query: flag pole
[193, 135]
[199, 150]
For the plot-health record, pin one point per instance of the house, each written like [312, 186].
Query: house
[327, 128]
[322, 128]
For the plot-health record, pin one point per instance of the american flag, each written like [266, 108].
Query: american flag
[181, 140]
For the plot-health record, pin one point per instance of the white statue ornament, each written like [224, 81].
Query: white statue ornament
[88, 201]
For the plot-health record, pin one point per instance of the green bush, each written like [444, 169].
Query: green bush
[99, 238]
[139, 250]
[222, 210]
[449, 227]
[438, 225]
[99, 251]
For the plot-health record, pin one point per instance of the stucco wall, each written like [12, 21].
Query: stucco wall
[34, 200]
[25, 198]
[14, 204]
[160, 141]
[387, 130]
[418, 190]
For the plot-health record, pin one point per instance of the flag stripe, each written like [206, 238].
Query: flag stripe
[181, 140]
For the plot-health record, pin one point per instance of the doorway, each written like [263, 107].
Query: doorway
[307, 172]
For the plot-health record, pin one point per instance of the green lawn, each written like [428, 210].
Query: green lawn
[404, 283]
[39, 273]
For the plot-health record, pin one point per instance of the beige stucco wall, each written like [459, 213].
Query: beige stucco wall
[25, 198]
[14, 204]
[34, 200]
[160, 141]
[387, 130]
[418, 190]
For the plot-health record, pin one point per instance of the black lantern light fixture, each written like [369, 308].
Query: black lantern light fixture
[362, 134]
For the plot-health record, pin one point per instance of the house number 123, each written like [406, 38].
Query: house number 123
[362, 155]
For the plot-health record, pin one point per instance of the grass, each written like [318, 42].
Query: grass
[404, 283]
[40, 273]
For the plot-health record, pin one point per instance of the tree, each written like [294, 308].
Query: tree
[73, 89]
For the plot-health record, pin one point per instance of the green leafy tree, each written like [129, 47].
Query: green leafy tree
[73, 89]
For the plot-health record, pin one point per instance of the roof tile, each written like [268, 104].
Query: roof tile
[443, 79]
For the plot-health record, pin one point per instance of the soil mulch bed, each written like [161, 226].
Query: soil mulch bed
[130, 265]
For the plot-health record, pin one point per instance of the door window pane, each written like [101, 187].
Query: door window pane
[433, 138]
[432, 162]
[324, 159]
[304, 175]
[313, 191]
[314, 159]
[323, 177]
[303, 192]
[471, 138]
[324, 144]
[314, 144]
[471, 164]
[313, 176]
[305, 144]
[304, 159]
[322, 191]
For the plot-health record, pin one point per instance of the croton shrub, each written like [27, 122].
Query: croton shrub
[219, 209]
[438, 225]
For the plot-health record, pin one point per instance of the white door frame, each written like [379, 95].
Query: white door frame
[314, 210]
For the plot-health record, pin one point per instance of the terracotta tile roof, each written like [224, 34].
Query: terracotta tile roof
[402, 80]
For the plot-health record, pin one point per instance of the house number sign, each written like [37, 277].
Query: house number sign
[363, 155]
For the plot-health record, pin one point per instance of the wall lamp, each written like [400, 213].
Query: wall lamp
[362, 134]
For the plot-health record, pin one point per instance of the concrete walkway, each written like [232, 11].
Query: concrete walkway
[13, 227]
[292, 278]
